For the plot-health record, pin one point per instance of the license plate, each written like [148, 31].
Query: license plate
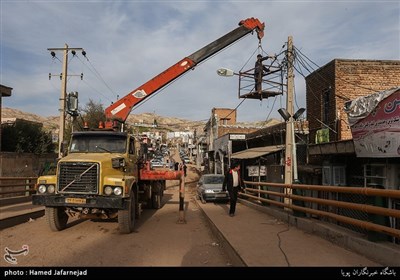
[220, 195]
[75, 200]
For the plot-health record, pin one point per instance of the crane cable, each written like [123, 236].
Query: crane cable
[261, 51]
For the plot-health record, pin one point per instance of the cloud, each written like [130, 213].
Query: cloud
[129, 42]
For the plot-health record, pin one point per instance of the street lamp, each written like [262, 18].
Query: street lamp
[225, 72]
[288, 118]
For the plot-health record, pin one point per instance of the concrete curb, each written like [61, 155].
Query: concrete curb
[20, 219]
[237, 261]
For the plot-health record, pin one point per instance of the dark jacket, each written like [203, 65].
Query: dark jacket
[259, 67]
[228, 182]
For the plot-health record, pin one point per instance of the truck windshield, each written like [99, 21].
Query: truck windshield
[98, 144]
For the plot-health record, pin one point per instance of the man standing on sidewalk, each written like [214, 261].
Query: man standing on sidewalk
[233, 184]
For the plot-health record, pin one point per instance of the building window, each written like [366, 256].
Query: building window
[224, 121]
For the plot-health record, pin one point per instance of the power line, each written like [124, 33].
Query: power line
[64, 76]
[98, 75]
[337, 77]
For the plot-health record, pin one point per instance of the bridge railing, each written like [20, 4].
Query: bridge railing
[382, 223]
[16, 189]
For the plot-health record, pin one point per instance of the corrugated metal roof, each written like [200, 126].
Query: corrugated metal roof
[257, 152]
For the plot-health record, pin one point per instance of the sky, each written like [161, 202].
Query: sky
[127, 43]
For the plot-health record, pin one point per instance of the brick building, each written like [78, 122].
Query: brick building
[222, 123]
[339, 81]
[330, 140]
[225, 116]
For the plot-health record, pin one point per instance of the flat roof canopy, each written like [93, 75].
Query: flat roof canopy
[256, 152]
[5, 91]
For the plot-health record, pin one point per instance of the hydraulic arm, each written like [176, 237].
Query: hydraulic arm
[121, 109]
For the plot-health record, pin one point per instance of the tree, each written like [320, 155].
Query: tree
[26, 137]
[93, 113]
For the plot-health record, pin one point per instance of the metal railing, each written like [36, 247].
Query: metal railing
[17, 186]
[297, 199]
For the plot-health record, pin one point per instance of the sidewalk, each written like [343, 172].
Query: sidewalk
[14, 214]
[261, 239]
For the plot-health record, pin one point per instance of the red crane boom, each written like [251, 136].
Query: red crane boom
[121, 109]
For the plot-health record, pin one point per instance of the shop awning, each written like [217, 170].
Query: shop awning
[256, 152]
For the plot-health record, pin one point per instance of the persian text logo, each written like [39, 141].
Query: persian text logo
[9, 255]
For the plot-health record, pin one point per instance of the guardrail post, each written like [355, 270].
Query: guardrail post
[27, 187]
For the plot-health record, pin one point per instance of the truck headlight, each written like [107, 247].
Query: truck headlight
[118, 191]
[42, 189]
[51, 188]
[108, 190]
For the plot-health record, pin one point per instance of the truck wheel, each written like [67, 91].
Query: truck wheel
[56, 218]
[126, 218]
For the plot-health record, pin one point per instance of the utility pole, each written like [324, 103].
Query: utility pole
[62, 101]
[289, 123]
[63, 95]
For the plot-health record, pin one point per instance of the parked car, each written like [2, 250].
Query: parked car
[209, 188]
[154, 163]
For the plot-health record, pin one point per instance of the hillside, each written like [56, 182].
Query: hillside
[173, 124]
[52, 122]
[164, 122]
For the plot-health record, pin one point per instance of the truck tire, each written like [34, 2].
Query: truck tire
[56, 218]
[126, 217]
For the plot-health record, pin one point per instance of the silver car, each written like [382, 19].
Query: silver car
[154, 163]
[209, 188]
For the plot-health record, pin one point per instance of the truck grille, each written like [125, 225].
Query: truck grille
[78, 177]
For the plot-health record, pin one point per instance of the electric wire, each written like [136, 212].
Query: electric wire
[280, 241]
[149, 97]
[98, 75]
[302, 63]
[279, 244]
[240, 103]
[259, 47]
[337, 77]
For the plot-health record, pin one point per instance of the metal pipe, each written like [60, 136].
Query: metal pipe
[354, 190]
[361, 207]
[20, 191]
[347, 220]
[18, 178]
[18, 185]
